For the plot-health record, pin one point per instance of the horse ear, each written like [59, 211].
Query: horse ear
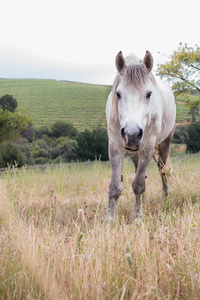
[120, 62]
[148, 61]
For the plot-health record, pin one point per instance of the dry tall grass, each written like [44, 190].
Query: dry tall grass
[47, 252]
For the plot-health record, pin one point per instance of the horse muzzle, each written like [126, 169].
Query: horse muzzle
[132, 138]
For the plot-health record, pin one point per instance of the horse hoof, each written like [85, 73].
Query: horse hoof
[138, 220]
[138, 217]
[111, 218]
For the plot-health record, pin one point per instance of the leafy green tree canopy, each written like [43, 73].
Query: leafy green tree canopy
[10, 155]
[12, 124]
[92, 144]
[180, 135]
[8, 102]
[183, 72]
[183, 69]
[193, 137]
[62, 128]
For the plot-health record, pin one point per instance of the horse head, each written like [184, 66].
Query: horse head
[133, 93]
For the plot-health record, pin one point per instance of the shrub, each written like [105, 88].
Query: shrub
[10, 155]
[26, 150]
[92, 145]
[29, 133]
[62, 128]
[180, 135]
[40, 149]
[41, 160]
[63, 147]
[44, 130]
[193, 137]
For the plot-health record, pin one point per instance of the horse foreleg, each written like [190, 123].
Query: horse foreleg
[138, 184]
[116, 156]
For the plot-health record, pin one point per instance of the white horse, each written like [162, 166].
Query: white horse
[141, 114]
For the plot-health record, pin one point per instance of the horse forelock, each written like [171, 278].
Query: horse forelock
[135, 73]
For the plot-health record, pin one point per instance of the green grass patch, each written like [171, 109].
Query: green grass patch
[46, 101]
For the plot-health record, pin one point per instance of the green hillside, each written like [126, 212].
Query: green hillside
[46, 101]
[83, 105]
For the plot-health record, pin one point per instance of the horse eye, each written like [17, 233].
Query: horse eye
[148, 96]
[118, 95]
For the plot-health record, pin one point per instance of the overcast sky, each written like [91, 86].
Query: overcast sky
[78, 40]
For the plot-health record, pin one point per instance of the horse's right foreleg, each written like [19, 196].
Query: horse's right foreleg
[116, 156]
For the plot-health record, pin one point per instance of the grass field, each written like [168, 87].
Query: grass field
[47, 252]
[47, 101]
[83, 105]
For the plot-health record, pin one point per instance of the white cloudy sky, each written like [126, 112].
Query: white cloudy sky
[78, 40]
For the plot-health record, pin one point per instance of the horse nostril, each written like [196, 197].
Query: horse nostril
[140, 134]
[122, 131]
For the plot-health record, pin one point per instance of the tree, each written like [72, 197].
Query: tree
[42, 131]
[92, 144]
[193, 108]
[193, 138]
[62, 128]
[8, 102]
[180, 135]
[29, 133]
[183, 71]
[10, 155]
[63, 149]
[12, 124]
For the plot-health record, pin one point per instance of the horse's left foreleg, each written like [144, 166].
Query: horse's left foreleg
[138, 184]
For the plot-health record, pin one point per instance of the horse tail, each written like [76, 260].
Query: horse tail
[166, 168]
